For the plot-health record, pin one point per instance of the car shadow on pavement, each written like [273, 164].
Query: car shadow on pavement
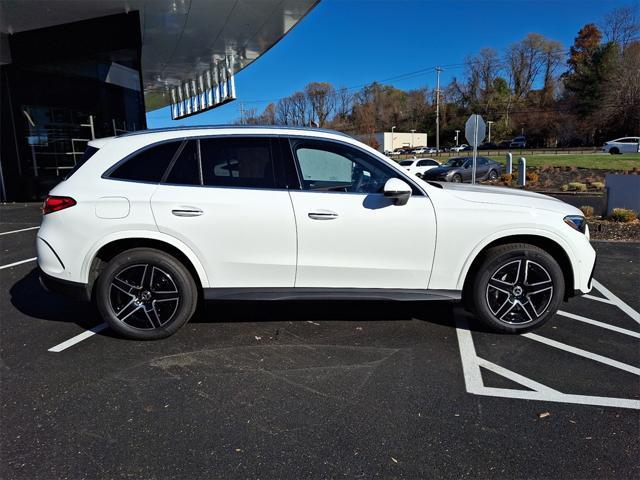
[28, 297]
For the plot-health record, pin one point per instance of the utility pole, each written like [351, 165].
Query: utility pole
[241, 112]
[438, 70]
[412, 132]
[457, 132]
[489, 122]
[392, 129]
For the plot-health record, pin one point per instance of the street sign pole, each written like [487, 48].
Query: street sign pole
[474, 131]
[475, 150]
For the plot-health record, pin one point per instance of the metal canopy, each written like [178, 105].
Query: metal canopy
[181, 39]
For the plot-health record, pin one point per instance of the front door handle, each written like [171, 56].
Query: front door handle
[187, 212]
[323, 215]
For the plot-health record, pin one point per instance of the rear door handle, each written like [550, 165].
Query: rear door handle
[187, 212]
[323, 215]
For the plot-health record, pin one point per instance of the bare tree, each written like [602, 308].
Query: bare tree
[321, 96]
[300, 109]
[284, 111]
[622, 25]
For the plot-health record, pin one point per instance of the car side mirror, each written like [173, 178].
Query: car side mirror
[398, 190]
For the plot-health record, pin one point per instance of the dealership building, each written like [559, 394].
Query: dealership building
[72, 71]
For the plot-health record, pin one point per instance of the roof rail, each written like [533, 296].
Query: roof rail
[247, 127]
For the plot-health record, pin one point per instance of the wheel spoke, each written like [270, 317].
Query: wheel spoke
[529, 309]
[521, 274]
[147, 276]
[152, 315]
[165, 296]
[128, 310]
[123, 286]
[499, 285]
[536, 291]
[505, 308]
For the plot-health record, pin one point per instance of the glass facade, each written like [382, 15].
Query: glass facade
[66, 85]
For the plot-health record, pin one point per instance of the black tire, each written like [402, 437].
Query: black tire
[493, 175]
[456, 178]
[614, 151]
[507, 298]
[146, 294]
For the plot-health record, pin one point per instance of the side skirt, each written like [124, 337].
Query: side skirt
[303, 293]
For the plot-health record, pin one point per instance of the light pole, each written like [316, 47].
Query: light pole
[412, 132]
[457, 132]
[392, 129]
[489, 122]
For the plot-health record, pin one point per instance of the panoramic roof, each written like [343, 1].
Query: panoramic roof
[180, 38]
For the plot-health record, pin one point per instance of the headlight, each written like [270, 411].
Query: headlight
[577, 222]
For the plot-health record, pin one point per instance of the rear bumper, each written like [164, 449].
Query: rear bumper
[77, 291]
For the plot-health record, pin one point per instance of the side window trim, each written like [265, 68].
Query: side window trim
[173, 161]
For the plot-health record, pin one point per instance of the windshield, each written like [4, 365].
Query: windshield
[406, 163]
[456, 162]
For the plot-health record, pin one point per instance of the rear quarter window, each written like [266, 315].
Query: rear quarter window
[148, 165]
[88, 153]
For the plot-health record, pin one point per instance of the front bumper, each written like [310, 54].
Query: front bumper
[77, 291]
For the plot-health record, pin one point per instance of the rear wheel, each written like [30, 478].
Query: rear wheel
[146, 294]
[457, 178]
[517, 288]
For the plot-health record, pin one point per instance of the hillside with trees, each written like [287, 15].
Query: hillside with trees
[558, 97]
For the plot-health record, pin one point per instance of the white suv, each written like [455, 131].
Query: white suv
[151, 222]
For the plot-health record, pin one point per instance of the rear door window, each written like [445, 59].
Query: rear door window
[186, 167]
[242, 162]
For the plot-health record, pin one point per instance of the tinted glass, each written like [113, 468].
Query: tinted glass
[237, 162]
[406, 163]
[333, 167]
[88, 153]
[482, 161]
[186, 168]
[427, 163]
[148, 165]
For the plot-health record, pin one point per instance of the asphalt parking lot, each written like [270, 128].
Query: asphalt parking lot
[317, 389]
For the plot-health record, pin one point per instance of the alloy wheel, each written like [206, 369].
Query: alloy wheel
[519, 292]
[144, 296]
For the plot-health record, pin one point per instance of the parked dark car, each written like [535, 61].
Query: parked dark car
[488, 146]
[458, 169]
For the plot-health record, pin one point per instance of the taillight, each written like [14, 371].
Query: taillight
[54, 204]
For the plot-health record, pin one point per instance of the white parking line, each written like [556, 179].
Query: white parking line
[583, 353]
[616, 301]
[18, 231]
[599, 299]
[78, 338]
[580, 318]
[18, 263]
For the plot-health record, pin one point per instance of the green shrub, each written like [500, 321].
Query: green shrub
[587, 210]
[623, 215]
[577, 187]
[564, 187]
[597, 185]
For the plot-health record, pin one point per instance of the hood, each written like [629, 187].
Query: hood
[440, 170]
[508, 196]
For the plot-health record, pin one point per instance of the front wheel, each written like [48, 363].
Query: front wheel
[614, 151]
[518, 287]
[493, 175]
[146, 294]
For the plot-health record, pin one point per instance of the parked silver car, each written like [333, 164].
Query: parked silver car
[458, 170]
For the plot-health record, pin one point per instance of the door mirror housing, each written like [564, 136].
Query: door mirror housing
[397, 189]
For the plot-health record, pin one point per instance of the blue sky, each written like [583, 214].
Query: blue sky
[354, 42]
